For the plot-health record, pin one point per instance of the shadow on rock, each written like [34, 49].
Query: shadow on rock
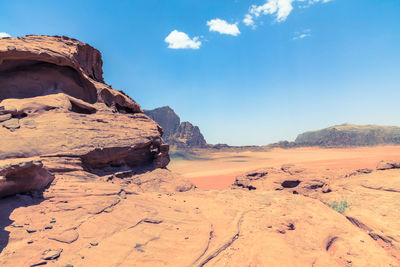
[8, 205]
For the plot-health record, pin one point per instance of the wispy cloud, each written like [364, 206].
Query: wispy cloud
[280, 9]
[223, 27]
[248, 20]
[180, 40]
[302, 34]
[307, 3]
[4, 34]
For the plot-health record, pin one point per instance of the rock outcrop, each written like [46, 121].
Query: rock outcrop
[346, 135]
[351, 135]
[167, 119]
[55, 105]
[22, 177]
[188, 135]
[180, 135]
[388, 164]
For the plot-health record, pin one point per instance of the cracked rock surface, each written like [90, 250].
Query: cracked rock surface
[193, 228]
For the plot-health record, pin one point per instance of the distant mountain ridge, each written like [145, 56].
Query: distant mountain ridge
[185, 135]
[177, 134]
[346, 135]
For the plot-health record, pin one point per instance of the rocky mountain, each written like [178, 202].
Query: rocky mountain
[347, 135]
[177, 134]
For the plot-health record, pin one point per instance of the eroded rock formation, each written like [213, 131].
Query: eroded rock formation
[55, 104]
[180, 135]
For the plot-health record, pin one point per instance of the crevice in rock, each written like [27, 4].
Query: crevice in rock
[116, 202]
[381, 189]
[377, 237]
[146, 220]
[226, 244]
[359, 224]
[384, 242]
[330, 242]
[210, 237]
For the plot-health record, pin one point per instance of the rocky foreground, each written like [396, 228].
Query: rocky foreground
[83, 183]
[270, 217]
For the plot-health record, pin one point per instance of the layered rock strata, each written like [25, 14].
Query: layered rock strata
[55, 105]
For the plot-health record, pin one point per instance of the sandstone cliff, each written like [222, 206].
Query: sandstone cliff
[180, 135]
[57, 114]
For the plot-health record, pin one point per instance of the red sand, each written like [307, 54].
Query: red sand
[220, 170]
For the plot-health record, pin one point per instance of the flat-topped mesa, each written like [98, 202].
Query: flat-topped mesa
[54, 103]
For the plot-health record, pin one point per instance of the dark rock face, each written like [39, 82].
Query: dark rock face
[55, 105]
[181, 135]
[188, 135]
[167, 119]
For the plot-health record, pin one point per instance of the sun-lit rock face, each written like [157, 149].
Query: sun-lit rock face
[54, 104]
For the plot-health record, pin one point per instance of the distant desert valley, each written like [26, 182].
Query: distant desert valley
[90, 178]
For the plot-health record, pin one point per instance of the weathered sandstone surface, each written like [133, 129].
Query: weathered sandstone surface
[112, 224]
[369, 198]
[56, 108]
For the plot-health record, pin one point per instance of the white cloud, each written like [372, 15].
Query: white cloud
[4, 34]
[302, 35]
[180, 40]
[248, 20]
[223, 27]
[280, 9]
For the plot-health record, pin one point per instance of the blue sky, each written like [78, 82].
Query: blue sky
[302, 65]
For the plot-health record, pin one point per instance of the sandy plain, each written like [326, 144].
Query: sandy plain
[217, 169]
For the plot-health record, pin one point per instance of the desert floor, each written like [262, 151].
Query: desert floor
[217, 170]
